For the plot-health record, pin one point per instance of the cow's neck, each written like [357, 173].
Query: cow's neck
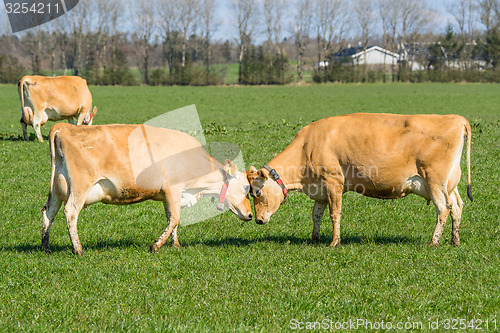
[209, 185]
[289, 166]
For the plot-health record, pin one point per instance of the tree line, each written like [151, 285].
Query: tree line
[172, 42]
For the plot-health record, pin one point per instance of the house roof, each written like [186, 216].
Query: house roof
[358, 51]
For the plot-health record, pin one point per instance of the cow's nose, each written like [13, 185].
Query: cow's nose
[259, 221]
[250, 216]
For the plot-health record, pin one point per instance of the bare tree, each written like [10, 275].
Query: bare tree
[301, 30]
[364, 17]
[384, 10]
[394, 22]
[80, 19]
[489, 14]
[245, 12]
[330, 24]
[187, 12]
[145, 23]
[167, 25]
[109, 13]
[273, 15]
[207, 28]
[462, 10]
[415, 19]
[56, 45]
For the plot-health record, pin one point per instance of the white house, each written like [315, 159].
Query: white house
[375, 56]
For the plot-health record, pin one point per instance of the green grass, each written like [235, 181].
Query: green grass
[232, 275]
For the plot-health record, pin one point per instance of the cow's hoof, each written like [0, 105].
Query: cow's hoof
[46, 250]
[335, 243]
[433, 244]
[455, 242]
[315, 240]
[78, 252]
[176, 245]
[154, 248]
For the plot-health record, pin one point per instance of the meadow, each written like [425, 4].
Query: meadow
[232, 276]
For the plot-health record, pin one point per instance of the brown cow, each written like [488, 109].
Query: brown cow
[126, 164]
[378, 155]
[54, 98]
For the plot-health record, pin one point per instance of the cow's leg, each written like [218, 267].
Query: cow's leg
[317, 214]
[25, 130]
[173, 235]
[71, 211]
[456, 216]
[36, 127]
[26, 119]
[49, 212]
[81, 116]
[442, 202]
[172, 211]
[335, 190]
[40, 117]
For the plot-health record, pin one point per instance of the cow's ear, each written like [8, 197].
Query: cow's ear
[230, 167]
[262, 174]
[251, 174]
[225, 175]
[229, 171]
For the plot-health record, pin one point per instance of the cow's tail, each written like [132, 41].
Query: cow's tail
[20, 89]
[52, 139]
[468, 134]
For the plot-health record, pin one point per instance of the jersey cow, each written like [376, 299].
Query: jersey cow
[54, 98]
[378, 155]
[126, 164]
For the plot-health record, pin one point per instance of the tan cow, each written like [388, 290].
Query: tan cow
[126, 164]
[378, 155]
[54, 98]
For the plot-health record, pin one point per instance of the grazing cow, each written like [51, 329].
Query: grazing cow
[54, 98]
[378, 155]
[126, 164]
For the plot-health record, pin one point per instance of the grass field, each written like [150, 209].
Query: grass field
[231, 275]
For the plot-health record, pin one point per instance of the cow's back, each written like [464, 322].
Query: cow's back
[383, 137]
[382, 151]
[66, 94]
[136, 161]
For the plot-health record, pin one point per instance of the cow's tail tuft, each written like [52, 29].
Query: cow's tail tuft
[468, 133]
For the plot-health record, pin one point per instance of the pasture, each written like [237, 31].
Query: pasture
[231, 275]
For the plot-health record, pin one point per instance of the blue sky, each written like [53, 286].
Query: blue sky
[227, 23]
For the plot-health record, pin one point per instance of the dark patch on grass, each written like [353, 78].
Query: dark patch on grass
[101, 245]
[293, 240]
[19, 137]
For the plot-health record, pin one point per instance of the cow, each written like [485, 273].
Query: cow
[54, 98]
[383, 156]
[126, 164]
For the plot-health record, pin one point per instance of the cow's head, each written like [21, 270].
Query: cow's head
[267, 194]
[236, 199]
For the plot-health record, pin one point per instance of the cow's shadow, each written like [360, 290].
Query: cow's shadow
[223, 242]
[325, 240]
[58, 248]
[20, 137]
